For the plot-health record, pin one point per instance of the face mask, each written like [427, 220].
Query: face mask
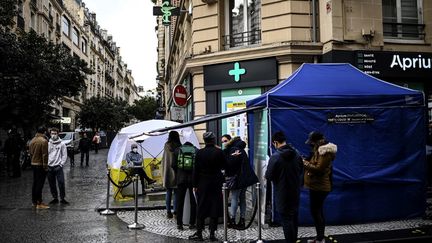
[135, 150]
[54, 137]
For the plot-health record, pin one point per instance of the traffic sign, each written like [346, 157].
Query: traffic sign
[180, 95]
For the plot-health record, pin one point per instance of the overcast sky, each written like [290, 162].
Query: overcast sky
[132, 25]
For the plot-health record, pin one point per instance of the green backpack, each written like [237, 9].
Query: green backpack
[186, 157]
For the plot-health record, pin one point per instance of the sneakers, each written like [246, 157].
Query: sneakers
[64, 202]
[169, 215]
[42, 206]
[54, 201]
[231, 223]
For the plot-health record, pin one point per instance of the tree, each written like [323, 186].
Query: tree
[144, 108]
[34, 74]
[104, 113]
[8, 10]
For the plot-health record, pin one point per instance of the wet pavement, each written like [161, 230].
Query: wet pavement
[77, 222]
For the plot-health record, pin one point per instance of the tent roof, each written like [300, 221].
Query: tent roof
[336, 85]
[146, 126]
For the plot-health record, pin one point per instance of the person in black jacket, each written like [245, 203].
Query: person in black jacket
[84, 147]
[284, 171]
[183, 175]
[207, 183]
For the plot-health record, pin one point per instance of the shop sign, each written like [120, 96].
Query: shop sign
[66, 120]
[394, 64]
[180, 95]
[166, 10]
[240, 74]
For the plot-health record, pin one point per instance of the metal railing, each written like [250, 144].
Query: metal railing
[242, 39]
[20, 22]
[403, 30]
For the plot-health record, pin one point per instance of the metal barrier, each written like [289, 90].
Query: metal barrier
[258, 188]
[136, 225]
[107, 210]
[225, 215]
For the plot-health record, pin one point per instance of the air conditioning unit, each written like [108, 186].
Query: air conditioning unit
[209, 1]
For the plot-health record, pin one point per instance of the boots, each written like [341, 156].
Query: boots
[197, 236]
[241, 224]
[212, 236]
[231, 223]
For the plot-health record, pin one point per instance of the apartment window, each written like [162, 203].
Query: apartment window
[75, 36]
[242, 23]
[66, 26]
[84, 46]
[402, 19]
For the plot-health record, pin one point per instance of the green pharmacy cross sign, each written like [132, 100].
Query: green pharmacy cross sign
[166, 10]
[237, 71]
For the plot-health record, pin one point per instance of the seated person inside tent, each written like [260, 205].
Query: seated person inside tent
[135, 159]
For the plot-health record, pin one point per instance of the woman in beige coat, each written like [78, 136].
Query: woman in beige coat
[169, 180]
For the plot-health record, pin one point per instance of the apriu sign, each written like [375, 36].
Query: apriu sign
[166, 10]
[395, 64]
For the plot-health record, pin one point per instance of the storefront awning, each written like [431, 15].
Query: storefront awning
[207, 118]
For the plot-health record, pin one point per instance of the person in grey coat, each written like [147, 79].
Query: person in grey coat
[135, 159]
[57, 156]
[169, 180]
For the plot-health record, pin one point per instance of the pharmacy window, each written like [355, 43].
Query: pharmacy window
[402, 19]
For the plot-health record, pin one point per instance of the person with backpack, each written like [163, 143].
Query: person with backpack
[183, 165]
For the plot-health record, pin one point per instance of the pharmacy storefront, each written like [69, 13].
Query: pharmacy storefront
[229, 85]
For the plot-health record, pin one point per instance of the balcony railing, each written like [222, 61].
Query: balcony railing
[242, 39]
[20, 22]
[403, 30]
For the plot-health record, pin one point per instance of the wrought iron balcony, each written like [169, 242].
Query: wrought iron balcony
[403, 30]
[242, 39]
[20, 22]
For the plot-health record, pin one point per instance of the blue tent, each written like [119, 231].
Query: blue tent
[379, 171]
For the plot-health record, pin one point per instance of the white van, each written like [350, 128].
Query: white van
[71, 139]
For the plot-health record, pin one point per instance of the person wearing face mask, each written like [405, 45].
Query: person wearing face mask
[57, 156]
[133, 158]
[224, 140]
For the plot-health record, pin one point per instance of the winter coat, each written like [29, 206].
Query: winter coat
[84, 144]
[208, 179]
[134, 159]
[182, 176]
[39, 150]
[318, 171]
[57, 153]
[284, 170]
[169, 180]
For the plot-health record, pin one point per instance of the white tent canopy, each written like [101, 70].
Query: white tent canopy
[151, 145]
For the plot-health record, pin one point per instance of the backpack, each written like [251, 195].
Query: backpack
[186, 157]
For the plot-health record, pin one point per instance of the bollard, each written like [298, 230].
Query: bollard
[225, 207]
[136, 225]
[258, 187]
[107, 211]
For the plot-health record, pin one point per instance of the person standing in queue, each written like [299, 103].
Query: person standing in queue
[318, 179]
[284, 171]
[169, 180]
[207, 183]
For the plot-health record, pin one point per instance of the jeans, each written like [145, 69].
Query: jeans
[87, 157]
[169, 195]
[55, 174]
[180, 194]
[289, 222]
[39, 175]
[316, 206]
[236, 195]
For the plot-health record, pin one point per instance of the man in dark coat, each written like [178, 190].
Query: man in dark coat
[84, 146]
[13, 146]
[207, 183]
[284, 170]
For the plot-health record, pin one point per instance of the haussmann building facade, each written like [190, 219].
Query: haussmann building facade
[226, 52]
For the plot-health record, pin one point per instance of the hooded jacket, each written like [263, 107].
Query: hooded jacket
[318, 171]
[284, 170]
[57, 153]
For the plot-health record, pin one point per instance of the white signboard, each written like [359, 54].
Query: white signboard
[66, 120]
[177, 113]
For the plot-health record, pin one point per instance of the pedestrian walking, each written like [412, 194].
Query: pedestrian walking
[13, 146]
[169, 180]
[207, 183]
[318, 179]
[183, 166]
[39, 162]
[96, 142]
[135, 159]
[239, 176]
[284, 171]
[84, 147]
[57, 156]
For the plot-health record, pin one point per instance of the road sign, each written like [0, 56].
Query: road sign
[177, 113]
[180, 95]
